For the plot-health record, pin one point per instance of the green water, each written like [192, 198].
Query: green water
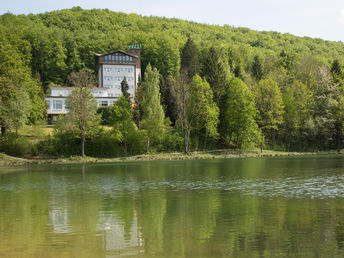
[270, 207]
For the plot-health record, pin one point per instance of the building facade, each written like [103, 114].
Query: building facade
[112, 68]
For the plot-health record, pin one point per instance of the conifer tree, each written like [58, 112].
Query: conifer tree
[124, 89]
[189, 59]
[257, 70]
[216, 75]
[153, 113]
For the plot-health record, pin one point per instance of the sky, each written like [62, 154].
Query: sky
[313, 18]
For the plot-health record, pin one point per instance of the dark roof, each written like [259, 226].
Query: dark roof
[71, 88]
[118, 51]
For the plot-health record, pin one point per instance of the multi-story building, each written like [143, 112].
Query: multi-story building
[111, 68]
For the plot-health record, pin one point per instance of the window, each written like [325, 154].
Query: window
[57, 104]
[110, 94]
[108, 78]
[113, 58]
[48, 103]
[106, 59]
[103, 103]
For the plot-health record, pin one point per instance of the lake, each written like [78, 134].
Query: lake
[249, 207]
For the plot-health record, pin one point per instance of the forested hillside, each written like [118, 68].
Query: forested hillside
[292, 86]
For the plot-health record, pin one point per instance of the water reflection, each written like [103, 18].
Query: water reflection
[115, 237]
[227, 208]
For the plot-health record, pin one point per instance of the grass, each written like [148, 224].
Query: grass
[6, 160]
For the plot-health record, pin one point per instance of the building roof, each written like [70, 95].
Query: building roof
[118, 51]
[71, 88]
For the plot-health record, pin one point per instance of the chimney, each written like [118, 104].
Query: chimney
[136, 51]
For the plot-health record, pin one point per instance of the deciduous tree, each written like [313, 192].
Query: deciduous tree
[152, 111]
[82, 105]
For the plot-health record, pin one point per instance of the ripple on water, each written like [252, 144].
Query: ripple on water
[290, 187]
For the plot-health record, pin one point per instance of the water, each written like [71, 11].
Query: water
[268, 207]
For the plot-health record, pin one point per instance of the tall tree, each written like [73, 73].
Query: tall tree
[297, 100]
[216, 75]
[180, 92]
[202, 112]
[241, 126]
[82, 105]
[15, 112]
[257, 69]
[153, 113]
[122, 120]
[268, 99]
[125, 88]
[15, 82]
[189, 59]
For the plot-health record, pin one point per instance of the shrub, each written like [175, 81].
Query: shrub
[15, 145]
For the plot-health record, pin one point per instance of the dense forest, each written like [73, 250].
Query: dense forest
[219, 86]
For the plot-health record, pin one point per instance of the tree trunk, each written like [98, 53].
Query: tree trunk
[3, 131]
[205, 141]
[148, 143]
[83, 145]
[186, 141]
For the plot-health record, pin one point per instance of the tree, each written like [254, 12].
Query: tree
[15, 112]
[16, 84]
[82, 105]
[189, 59]
[122, 120]
[297, 110]
[257, 69]
[216, 75]
[268, 99]
[152, 111]
[180, 91]
[335, 68]
[241, 126]
[202, 112]
[124, 89]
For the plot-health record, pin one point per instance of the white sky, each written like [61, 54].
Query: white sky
[314, 18]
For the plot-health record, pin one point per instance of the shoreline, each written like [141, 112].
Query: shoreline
[9, 161]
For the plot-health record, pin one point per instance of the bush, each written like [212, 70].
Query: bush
[105, 113]
[15, 145]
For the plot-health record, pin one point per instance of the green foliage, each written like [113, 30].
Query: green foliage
[202, 112]
[268, 99]
[15, 145]
[153, 113]
[124, 89]
[189, 59]
[297, 100]
[240, 123]
[257, 70]
[122, 121]
[105, 113]
[41, 50]
[82, 117]
[216, 75]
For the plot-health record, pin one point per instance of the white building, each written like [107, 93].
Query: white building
[111, 68]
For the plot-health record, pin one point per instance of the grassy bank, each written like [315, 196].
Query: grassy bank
[6, 160]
